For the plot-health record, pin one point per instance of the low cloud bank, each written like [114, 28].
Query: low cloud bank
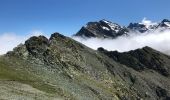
[10, 40]
[159, 40]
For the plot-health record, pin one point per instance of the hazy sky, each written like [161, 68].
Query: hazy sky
[68, 16]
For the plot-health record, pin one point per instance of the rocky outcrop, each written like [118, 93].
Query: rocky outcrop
[37, 45]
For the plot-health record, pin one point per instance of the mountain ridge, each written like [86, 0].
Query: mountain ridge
[143, 58]
[60, 67]
[108, 29]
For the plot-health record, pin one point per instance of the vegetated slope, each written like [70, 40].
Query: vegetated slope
[61, 68]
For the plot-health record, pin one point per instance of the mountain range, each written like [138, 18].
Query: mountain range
[108, 29]
[60, 68]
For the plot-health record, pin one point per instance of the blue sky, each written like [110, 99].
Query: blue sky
[68, 16]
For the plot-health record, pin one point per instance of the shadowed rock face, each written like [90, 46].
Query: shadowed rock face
[37, 45]
[139, 27]
[164, 24]
[61, 67]
[141, 59]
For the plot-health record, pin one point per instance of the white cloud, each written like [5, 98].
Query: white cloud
[10, 40]
[147, 22]
[157, 40]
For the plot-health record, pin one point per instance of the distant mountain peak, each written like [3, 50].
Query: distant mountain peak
[165, 23]
[165, 20]
[108, 29]
[102, 29]
[137, 27]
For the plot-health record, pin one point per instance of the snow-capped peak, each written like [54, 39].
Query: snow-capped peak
[166, 22]
[106, 29]
[115, 27]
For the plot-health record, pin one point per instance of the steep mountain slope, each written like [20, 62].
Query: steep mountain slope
[141, 59]
[165, 23]
[61, 68]
[102, 29]
[151, 64]
[107, 29]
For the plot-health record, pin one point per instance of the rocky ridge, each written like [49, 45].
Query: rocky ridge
[62, 68]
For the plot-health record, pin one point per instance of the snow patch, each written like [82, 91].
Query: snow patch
[113, 26]
[167, 23]
[105, 28]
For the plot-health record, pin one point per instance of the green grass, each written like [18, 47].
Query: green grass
[9, 73]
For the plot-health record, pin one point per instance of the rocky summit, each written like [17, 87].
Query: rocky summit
[102, 29]
[108, 29]
[60, 68]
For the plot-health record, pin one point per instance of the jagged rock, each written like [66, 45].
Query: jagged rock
[137, 27]
[20, 51]
[37, 45]
[57, 35]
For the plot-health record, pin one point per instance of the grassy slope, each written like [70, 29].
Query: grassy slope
[16, 74]
[17, 71]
